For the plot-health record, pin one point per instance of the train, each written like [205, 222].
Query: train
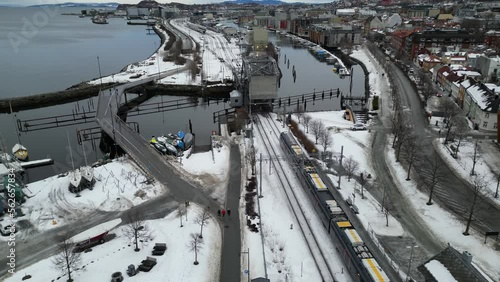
[359, 261]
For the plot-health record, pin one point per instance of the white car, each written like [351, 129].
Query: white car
[358, 126]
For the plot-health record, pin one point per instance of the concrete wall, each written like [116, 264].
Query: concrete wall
[263, 87]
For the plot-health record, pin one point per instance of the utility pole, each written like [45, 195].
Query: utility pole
[260, 175]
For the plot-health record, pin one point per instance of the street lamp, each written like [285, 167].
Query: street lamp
[409, 262]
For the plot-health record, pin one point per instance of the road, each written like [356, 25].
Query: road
[231, 251]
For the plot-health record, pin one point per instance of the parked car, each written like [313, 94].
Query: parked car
[439, 94]
[358, 126]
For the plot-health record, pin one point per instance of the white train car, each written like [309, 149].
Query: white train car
[317, 182]
[375, 270]
[354, 237]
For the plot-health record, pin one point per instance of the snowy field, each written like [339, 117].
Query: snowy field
[119, 185]
[149, 67]
[219, 56]
[465, 160]
[445, 225]
[175, 265]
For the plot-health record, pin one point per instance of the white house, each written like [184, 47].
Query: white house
[481, 104]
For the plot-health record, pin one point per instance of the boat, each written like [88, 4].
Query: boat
[20, 152]
[87, 171]
[75, 181]
[75, 176]
[188, 140]
[168, 144]
[99, 20]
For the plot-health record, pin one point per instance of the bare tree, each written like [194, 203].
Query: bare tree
[350, 166]
[252, 158]
[404, 134]
[412, 153]
[474, 160]
[202, 220]
[427, 90]
[317, 128]
[136, 229]
[362, 181]
[180, 213]
[307, 120]
[477, 185]
[435, 174]
[67, 260]
[386, 208]
[461, 129]
[450, 111]
[399, 127]
[326, 140]
[195, 244]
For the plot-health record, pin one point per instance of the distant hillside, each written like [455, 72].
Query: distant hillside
[71, 4]
[262, 2]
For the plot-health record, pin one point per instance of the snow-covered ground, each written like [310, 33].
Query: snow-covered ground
[465, 160]
[149, 67]
[219, 56]
[446, 225]
[115, 255]
[119, 185]
[379, 84]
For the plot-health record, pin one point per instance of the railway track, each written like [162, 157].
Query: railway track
[324, 268]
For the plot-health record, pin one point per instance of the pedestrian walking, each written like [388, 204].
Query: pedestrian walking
[218, 213]
[223, 213]
[228, 212]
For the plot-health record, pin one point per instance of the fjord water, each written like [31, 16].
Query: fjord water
[64, 51]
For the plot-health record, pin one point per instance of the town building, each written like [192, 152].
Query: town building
[421, 40]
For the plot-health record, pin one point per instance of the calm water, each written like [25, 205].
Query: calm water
[63, 52]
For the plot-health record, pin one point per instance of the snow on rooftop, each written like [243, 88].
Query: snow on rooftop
[468, 73]
[477, 95]
[439, 271]
[493, 87]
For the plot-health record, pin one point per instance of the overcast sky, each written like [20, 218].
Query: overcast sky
[37, 2]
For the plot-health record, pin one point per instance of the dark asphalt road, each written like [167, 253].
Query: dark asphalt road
[231, 251]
